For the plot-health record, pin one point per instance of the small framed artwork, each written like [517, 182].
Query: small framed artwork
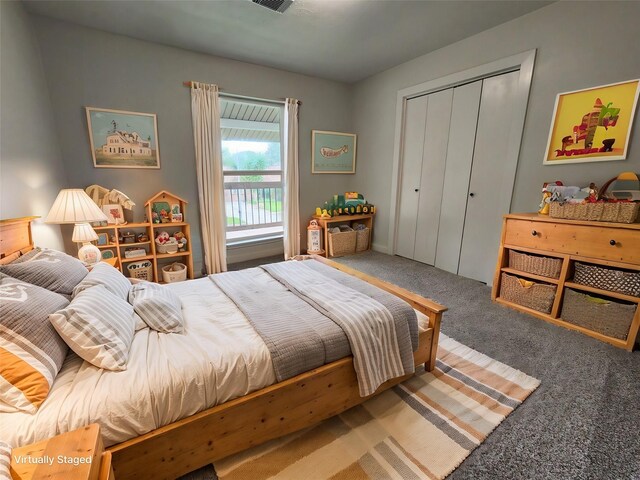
[121, 139]
[592, 125]
[333, 152]
[106, 254]
[103, 239]
[176, 217]
[114, 213]
[161, 212]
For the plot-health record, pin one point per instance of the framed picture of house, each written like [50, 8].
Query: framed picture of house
[333, 152]
[121, 139]
[592, 125]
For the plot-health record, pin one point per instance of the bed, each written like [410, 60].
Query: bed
[165, 438]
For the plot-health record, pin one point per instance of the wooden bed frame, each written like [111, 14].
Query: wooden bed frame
[265, 414]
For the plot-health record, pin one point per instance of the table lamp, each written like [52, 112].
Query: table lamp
[73, 205]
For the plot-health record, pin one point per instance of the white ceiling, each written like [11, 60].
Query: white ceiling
[344, 40]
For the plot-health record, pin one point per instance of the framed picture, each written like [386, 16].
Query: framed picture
[114, 213]
[103, 239]
[106, 254]
[121, 139]
[176, 217]
[161, 212]
[333, 152]
[592, 125]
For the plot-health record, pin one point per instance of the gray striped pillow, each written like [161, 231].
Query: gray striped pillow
[50, 269]
[98, 326]
[32, 351]
[109, 277]
[5, 461]
[158, 306]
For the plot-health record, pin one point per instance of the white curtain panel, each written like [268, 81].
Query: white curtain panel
[205, 111]
[291, 214]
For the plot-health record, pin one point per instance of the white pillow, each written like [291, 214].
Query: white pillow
[158, 306]
[98, 326]
[110, 277]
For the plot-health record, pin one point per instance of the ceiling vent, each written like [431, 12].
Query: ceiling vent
[276, 5]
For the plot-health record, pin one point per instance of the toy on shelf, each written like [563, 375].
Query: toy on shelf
[351, 203]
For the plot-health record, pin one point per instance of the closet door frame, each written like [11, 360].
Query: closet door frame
[523, 62]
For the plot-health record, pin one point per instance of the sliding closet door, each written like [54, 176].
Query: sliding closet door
[492, 178]
[434, 159]
[462, 136]
[413, 146]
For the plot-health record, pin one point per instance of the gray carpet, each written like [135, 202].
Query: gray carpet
[583, 422]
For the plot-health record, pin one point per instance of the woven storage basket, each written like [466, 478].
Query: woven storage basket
[362, 239]
[538, 296]
[142, 270]
[607, 279]
[176, 272]
[537, 264]
[612, 319]
[343, 243]
[617, 212]
[623, 212]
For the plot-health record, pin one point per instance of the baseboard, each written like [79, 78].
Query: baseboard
[378, 247]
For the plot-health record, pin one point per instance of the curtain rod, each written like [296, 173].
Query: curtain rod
[244, 97]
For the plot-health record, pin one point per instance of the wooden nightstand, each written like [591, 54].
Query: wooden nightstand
[76, 455]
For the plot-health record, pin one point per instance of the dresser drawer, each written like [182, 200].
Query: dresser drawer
[582, 240]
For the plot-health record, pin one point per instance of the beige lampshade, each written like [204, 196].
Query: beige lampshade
[83, 232]
[73, 205]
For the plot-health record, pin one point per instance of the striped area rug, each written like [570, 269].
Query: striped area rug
[421, 429]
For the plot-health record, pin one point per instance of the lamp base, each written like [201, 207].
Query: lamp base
[89, 254]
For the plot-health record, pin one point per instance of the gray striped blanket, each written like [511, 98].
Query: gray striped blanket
[310, 314]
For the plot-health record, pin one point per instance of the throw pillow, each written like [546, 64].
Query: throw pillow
[158, 306]
[109, 277]
[50, 269]
[98, 326]
[31, 351]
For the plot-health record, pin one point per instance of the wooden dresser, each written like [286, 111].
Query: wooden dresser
[610, 245]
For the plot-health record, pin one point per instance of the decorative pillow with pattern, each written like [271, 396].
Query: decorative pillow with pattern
[50, 269]
[5, 461]
[31, 351]
[98, 326]
[158, 306]
[109, 277]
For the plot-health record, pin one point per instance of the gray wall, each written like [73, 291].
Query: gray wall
[31, 168]
[90, 67]
[580, 44]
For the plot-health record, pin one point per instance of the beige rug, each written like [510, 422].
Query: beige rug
[421, 429]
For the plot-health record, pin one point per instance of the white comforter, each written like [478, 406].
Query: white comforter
[168, 376]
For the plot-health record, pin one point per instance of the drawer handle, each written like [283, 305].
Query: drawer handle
[612, 243]
[534, 232]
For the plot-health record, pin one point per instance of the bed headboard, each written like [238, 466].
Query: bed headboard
[15, 238]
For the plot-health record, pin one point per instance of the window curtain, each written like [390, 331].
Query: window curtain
[205, 112]
[291, 214]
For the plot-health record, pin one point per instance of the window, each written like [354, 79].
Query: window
[252, 168]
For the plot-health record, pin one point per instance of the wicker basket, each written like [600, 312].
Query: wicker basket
[621, 212]
[142, 270]
[168, 247]
[609, 318]
[615, 280]
[538, 296]
[362, 239]
[537, 264]
[343, 243]
[176, 272]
